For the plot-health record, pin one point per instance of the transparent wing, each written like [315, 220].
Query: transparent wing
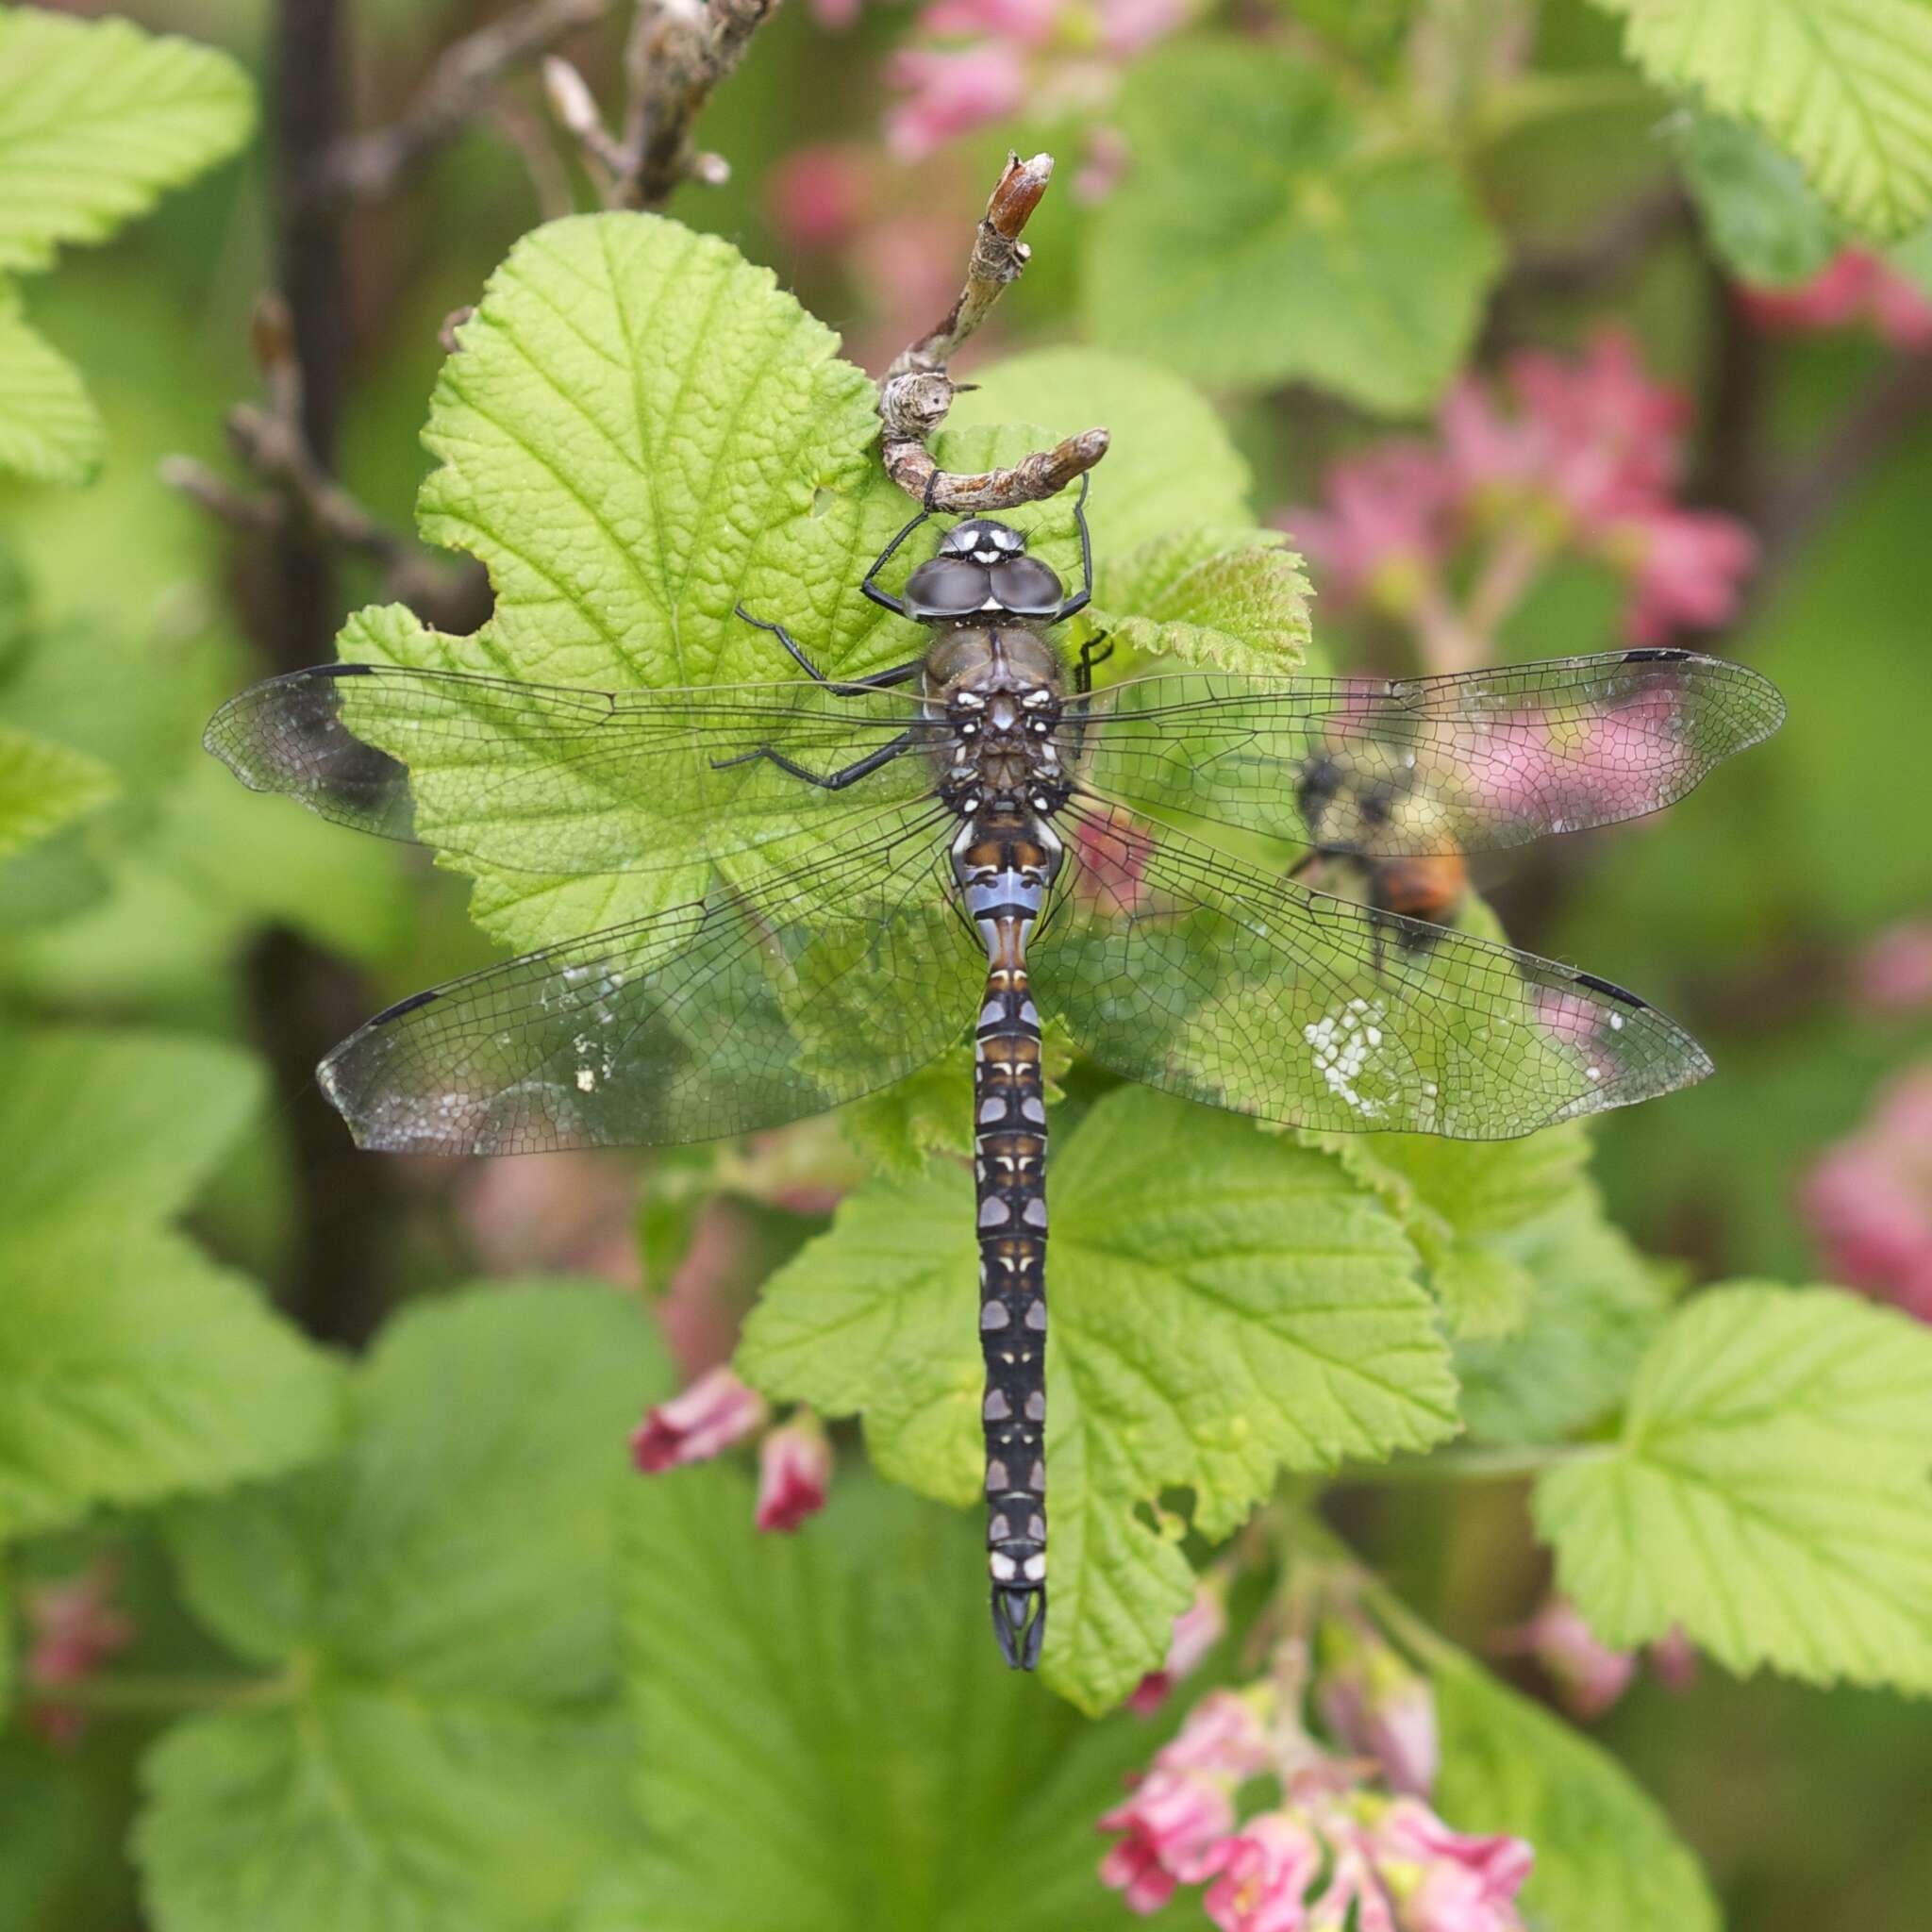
[1178, 966]
[1470, 762]
[549, 778]
[713, 1019]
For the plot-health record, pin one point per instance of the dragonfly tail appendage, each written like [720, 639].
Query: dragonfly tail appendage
[1009, 1115]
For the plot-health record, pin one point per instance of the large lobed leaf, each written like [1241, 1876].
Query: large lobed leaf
[1769, 1491]
[448, 1755]
[96, 119]
[1845, 85]
[829, 1738]
[639, 431]
[130, 1367]
[1224, 1306]
[1258, 240]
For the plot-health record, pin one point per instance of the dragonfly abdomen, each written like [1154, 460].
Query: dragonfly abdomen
[1004, 880]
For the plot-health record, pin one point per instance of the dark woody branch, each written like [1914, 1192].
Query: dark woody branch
[918, 390]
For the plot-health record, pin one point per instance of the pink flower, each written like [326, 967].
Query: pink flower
[1610, 434]
[1893, 973]
[950, 94]
[1128, 25]
[1105, 163]
[1589, 1676]
[1869, 1200]
[1855, 285]
[1375, 1704]
[1454, 1883]
[1171, 1820]
[1265, 1873]
[1354, 1899]
[713, 1413]
[73, 1628]
[1196, 1631]
[1224, 1734]
[836, 15]
[1389, 520]
[818, 196]
[1687, 569]
[794, 1471]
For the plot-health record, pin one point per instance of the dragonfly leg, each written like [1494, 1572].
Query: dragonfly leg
[870, 587]
[827, 781]
[880, 681]
[1084, 595]
[1091, 654]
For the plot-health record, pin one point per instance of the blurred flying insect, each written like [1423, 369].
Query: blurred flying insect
[977, 830]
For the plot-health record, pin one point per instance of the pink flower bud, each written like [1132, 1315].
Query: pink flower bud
[1869, 1199]
[1196, 1631]
[713, 1413]
[1893, 973]
[1375, 1704]
[950, 94]
[1170, 1821]
[794, 1471]
[1589, 1676]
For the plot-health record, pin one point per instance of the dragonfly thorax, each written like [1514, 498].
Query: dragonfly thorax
[998, 692]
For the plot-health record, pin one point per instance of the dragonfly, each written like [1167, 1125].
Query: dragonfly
[985, 833]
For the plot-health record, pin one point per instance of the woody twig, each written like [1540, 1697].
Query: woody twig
[918, 390]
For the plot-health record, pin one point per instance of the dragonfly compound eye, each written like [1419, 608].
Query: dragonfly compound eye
[1026, 586]
[946, 587]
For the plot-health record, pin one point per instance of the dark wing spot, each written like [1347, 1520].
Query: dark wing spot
[342, 671]
[1615, 992]
[1656, 655]
[402, 1007]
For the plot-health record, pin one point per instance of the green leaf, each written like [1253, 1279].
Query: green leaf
[1258, 240]
[1228, 598]
[1172, 461]
[830, 1738]
[1596, 1306]
[1605, 1858]
[96, 119]
[49, 431]
[1225, 1305]
[1843, 85]
[1769, 1491]
[1761, 216]
[1460, 1201]
[46, 786]
[130, 1367]
[443, 1599]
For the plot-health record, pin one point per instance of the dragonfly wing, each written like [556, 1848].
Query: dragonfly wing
[1407, 767]
[1178, 966]
[554, 780]
[742, 1011]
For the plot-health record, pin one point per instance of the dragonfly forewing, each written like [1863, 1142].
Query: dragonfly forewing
[1386, 767]
[552, 779]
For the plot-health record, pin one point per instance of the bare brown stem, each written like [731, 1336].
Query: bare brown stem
[918, 390]
[459, 89]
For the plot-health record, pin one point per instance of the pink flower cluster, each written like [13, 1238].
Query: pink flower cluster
[73, 1629]
[1857, 285]
[718, 1411]
[1578, 455]
[997, 58]
[1330, 1854]
[1869, 1199]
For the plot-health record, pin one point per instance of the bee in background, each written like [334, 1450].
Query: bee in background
[1346, 816]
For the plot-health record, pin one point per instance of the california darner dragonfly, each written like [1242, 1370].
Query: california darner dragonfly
[980, 829]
